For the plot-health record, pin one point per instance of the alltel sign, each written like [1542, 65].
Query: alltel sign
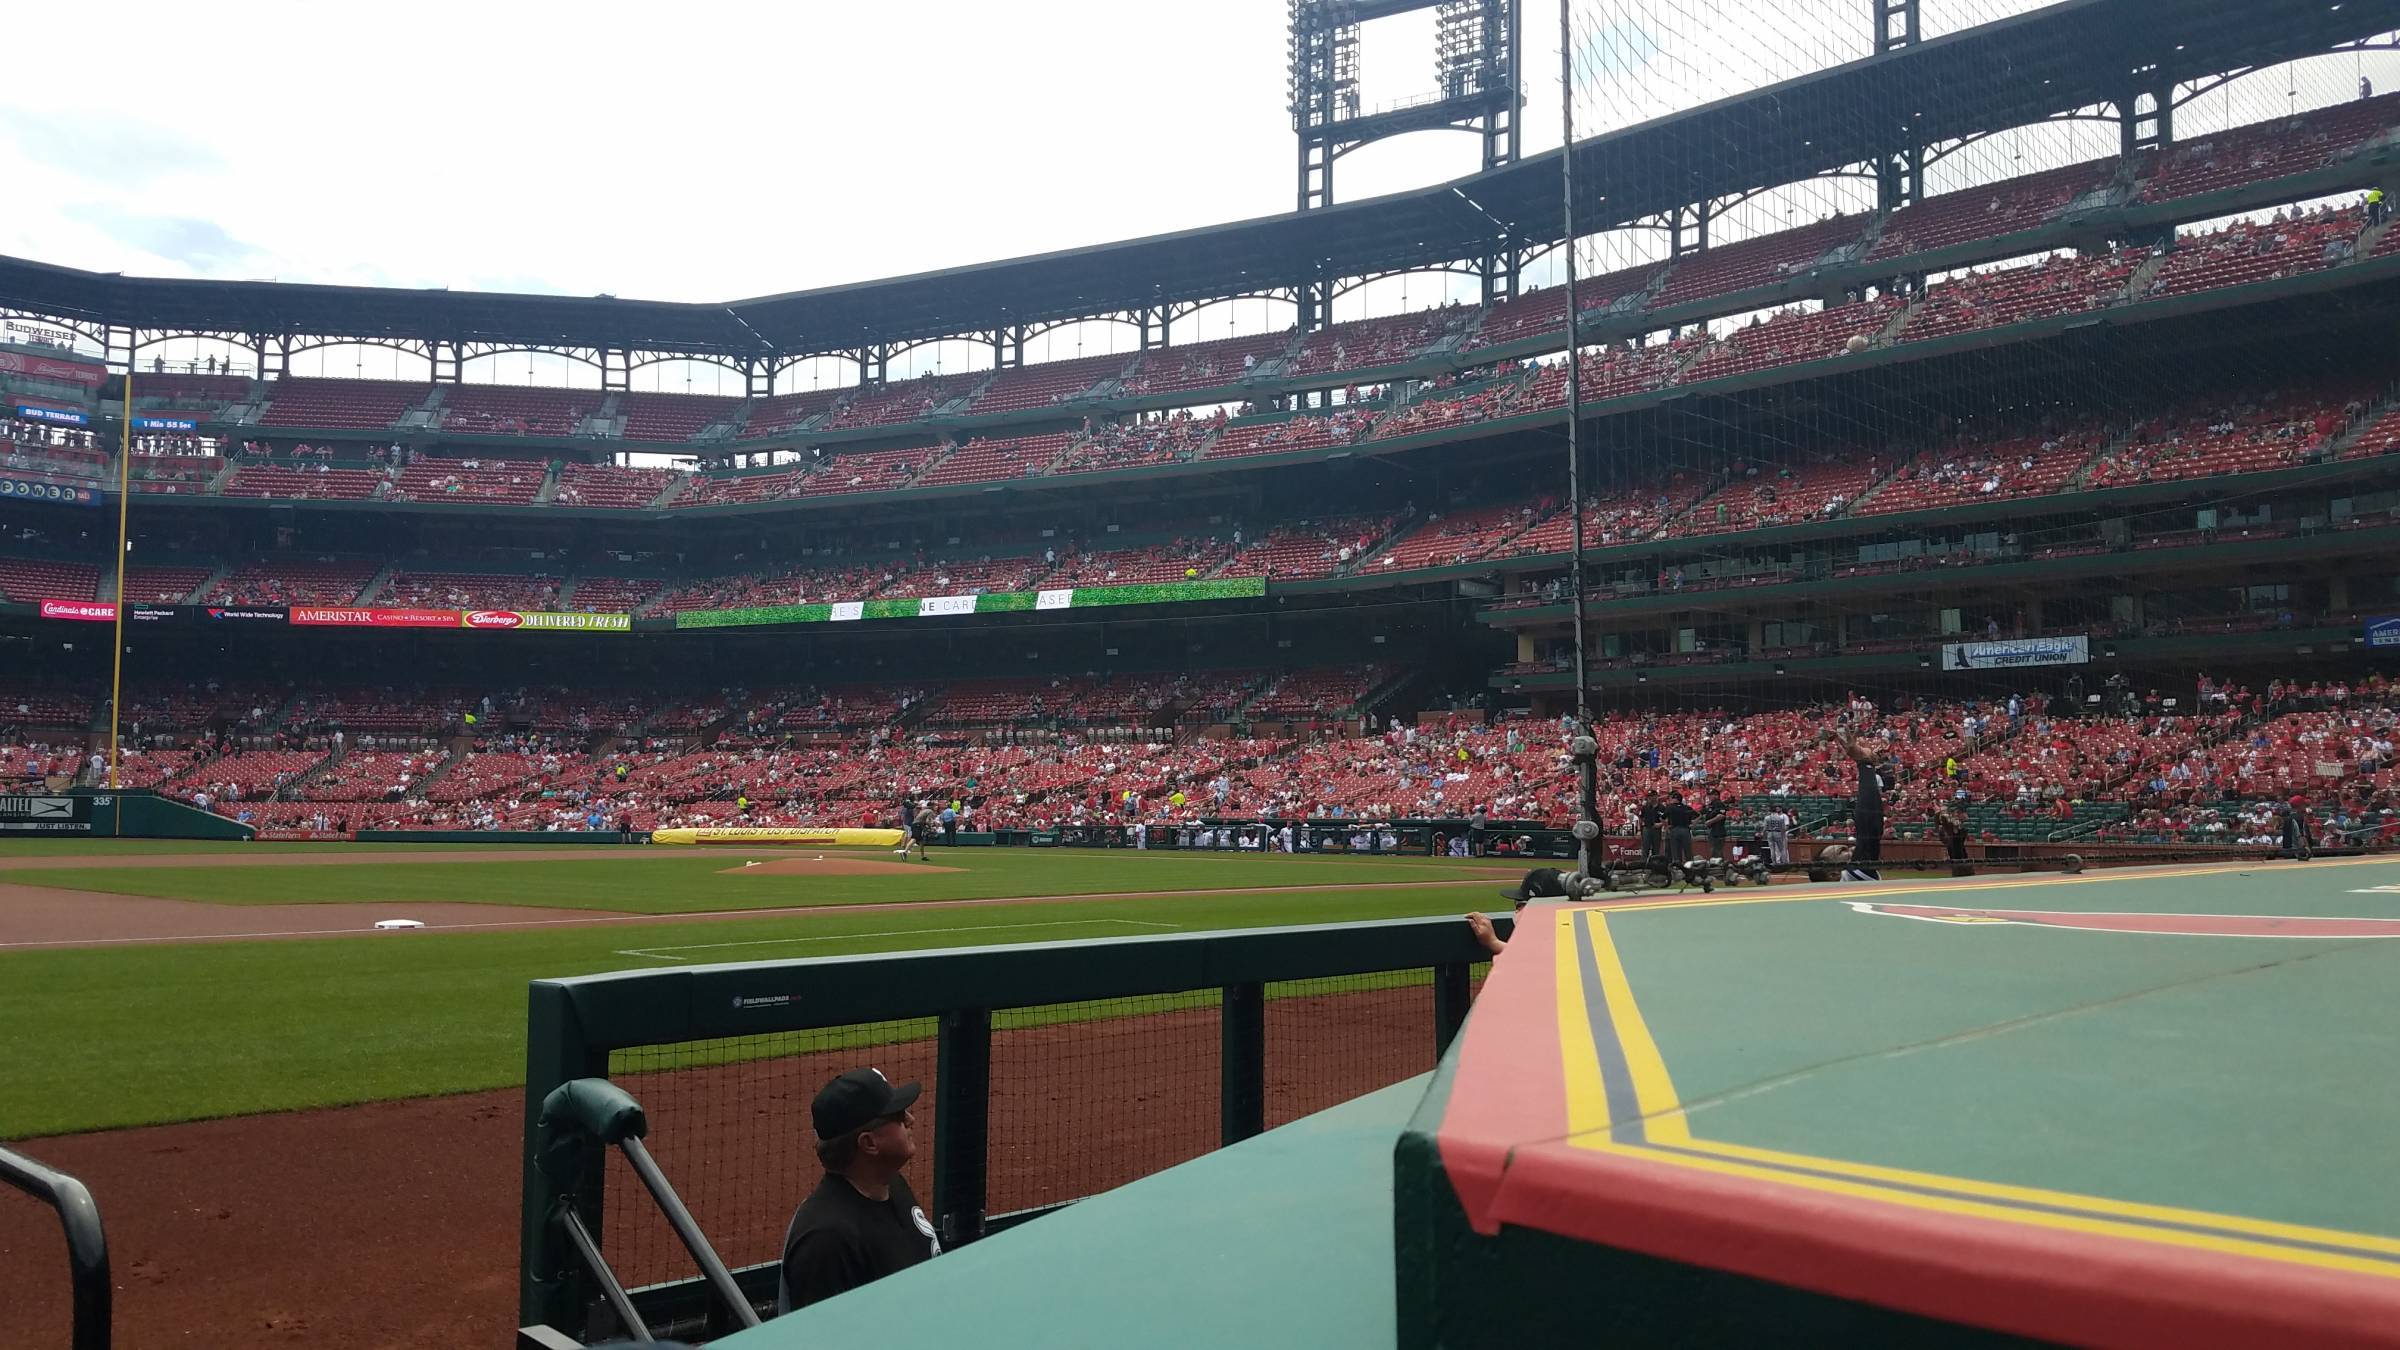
[491, 618]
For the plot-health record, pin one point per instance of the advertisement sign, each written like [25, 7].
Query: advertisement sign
[88, 611]
[65, 417]
[316, 616]
[45, 815]
[20, 330]
[51, 368]
[2384, 632]
[2058, 651]
[545, 621]
[245, 613]
[26, 490]
[166, 424]
[104, 611]
[991, 602]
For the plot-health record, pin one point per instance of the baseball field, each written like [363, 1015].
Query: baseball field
[270, 1095]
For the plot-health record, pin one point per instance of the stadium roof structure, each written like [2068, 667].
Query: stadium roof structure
[2012, 72]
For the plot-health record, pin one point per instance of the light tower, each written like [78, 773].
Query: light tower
[1475, 89]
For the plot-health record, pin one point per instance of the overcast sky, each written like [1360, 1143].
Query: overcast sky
[711, 152]
[690, 152]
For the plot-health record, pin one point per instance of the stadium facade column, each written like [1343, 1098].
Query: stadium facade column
[2146, 111]
[616, 369]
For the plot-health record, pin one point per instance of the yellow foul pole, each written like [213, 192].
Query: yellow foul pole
[116, 679]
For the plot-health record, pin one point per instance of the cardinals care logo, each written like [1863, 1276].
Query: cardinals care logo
[2187, 925]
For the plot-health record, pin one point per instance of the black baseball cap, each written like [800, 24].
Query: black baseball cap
[1542, 883]
[857, 1099]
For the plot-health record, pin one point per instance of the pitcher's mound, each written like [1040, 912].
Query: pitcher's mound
[830, 866]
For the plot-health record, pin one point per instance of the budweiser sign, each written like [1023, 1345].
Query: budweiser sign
[88, 610]
[50, 368]
[343, 617]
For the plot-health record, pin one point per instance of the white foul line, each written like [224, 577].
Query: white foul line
[660, 953]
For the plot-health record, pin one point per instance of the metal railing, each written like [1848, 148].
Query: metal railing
[87, 1245]
[575, 1024]
[587, 1111]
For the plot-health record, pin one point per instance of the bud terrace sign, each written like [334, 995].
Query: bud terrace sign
[993, 602]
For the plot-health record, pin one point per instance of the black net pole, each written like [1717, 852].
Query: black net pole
[1589, 809]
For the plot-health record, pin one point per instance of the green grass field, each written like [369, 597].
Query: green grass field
[654, 881]
[96, 1038]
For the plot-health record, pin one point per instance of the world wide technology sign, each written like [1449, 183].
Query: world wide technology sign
[991, 602]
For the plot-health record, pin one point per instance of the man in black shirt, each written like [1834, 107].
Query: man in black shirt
[862, 1222]
[1678, 816]
[1717, 819]
[1953, 832]
[1866, 814]
[1653, 820]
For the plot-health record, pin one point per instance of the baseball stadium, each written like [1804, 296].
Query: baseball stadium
[1740, 696]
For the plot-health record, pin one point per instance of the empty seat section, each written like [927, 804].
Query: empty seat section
[866, 471]
[611, 485]
[777, 415]
[672, 417]
[1047, 383]
[361, 404]
[1204, 365]
[295, 582]
[26, 580]
[984, 460]
[470, 479]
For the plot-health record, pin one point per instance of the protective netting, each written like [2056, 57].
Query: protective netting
[729, 1125]
[1334, 1039]
[1848, 433]
[1086, 1096]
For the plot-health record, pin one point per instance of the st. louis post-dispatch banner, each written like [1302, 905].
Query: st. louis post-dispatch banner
[2054, 651]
